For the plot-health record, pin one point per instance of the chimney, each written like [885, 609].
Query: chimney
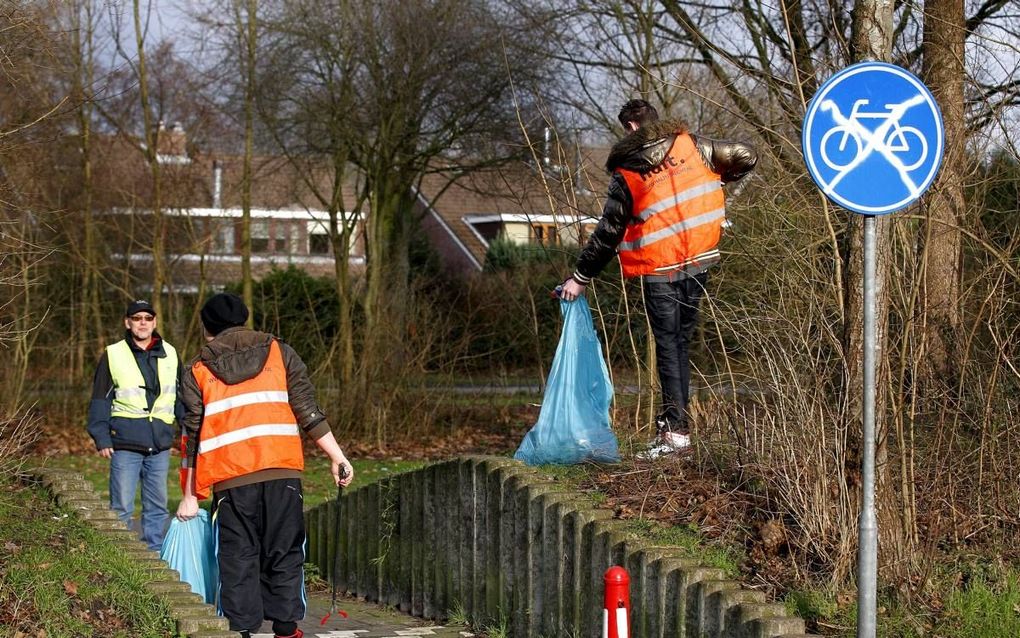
[172, 141]
[217, 193]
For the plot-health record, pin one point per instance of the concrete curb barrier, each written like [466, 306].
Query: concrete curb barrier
[193, 618]
[499, 543]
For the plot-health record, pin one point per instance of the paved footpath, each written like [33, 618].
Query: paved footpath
[364, 620]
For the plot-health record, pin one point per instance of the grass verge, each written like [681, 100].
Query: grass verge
[59, 577]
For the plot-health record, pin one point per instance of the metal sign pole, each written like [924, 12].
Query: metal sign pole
[872, 140]
[867, 559]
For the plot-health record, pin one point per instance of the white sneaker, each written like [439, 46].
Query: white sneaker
[667, 443]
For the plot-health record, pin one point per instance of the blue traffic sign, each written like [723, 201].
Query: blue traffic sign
[873, 138]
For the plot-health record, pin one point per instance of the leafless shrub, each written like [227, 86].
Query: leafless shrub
[17, 434]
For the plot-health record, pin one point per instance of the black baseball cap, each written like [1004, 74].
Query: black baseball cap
[139, 305]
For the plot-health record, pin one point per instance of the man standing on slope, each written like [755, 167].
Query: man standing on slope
[134, 404]
[247, 397]
[663, 215]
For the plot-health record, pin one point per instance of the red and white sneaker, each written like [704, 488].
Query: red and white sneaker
[664, 444]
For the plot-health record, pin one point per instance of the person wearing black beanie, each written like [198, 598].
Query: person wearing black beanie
[247, 399]
[223, 310]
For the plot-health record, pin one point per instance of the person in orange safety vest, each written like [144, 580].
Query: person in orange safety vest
[664, 215]
[247, 399]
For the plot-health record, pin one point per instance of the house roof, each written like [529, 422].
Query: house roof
[122, 175]
[515, 193]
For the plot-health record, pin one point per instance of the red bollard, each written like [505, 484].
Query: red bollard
[616, 609]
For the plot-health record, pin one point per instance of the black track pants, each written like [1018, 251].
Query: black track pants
[261, 553]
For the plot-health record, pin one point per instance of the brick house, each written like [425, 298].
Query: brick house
[556, 206]
[201, 202]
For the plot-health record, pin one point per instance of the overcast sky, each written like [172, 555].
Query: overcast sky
[993, 53]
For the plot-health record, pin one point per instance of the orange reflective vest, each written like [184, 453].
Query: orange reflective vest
[246, 427]
[678, 213]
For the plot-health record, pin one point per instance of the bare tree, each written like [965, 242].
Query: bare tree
[761, 63]
[416, 85]
[246, 25]
[90, 316]
[31, 103]
[152, 130]
[945, 207]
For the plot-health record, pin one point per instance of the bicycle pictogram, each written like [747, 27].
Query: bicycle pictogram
[850, 141]
[873, 138]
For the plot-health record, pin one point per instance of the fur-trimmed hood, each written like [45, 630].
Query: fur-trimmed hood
[646, 147]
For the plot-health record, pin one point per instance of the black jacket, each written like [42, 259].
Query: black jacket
[122, 433]
[642, 150]
[238, 354]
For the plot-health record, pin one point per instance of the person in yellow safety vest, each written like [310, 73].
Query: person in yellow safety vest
[134, 405]
[664, 215]
[247, 398]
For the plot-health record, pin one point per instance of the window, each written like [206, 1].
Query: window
[223, 238]
[199, 235]
[211, 235]
[545, 234]
[318, 238]
[281, 231]
[259, 235]
[298, 243]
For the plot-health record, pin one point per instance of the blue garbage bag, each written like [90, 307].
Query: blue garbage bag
[573, 426]
[189, 547]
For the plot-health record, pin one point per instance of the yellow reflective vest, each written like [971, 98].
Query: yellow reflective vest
[129, 384]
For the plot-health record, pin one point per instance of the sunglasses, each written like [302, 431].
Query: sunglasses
[138, 318]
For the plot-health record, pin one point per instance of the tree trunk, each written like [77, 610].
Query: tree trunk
[91, 337]
[939, 241]
[388, 271]
[152, 157]
[340, 235]
[247, 30]
[872, 40]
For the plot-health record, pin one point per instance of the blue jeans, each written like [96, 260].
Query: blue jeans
[672, 309]
[126, 468]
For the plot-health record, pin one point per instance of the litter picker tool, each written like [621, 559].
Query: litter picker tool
[336, 551]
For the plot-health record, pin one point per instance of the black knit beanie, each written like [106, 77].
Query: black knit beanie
[222, 311]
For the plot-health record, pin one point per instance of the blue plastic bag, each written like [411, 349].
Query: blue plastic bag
[573, 426]
[189, 548]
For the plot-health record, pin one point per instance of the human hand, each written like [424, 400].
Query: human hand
[106, 452]
[188, 509]
[347, 476]
[571, 289]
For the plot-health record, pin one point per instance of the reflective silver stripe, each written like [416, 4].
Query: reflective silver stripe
[125, 393]
[250, 432]
[127, 409]
[168, 389]
[687, 195]
[250, 398]
[674, 229]
[705, 256]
